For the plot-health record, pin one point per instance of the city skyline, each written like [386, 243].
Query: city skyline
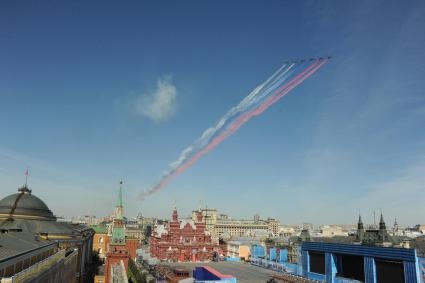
[94, 93]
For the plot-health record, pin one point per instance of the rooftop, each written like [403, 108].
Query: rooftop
[14, 244]
[24, 205]
[99, 229]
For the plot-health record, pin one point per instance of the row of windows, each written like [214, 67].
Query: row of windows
[24, 264]
[352, 267]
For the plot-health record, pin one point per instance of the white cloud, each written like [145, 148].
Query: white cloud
[161, 104]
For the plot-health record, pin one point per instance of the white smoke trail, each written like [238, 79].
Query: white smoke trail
[252, 100]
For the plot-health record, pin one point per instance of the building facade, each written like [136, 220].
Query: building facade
[182, 240]
[239, 250]
[374, 236]
[221, 226]
[100, 240]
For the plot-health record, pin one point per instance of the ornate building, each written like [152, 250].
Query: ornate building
[373, 236]
[182, 240]
[221, 226]
[70, 245]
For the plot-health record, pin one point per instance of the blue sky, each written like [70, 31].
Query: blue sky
[94, 92]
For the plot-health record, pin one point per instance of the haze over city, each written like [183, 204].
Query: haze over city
[94, 93]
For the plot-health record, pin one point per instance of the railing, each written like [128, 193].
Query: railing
[36, 269]
[282, 269]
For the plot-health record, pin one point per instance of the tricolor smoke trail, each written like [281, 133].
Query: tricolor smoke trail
[262, 97]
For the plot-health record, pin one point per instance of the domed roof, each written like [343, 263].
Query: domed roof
[24, 205]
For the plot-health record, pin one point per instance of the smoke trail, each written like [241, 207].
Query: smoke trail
[262, 97]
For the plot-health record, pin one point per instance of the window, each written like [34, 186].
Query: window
[350, 266]
[317, 262]
[389, 271]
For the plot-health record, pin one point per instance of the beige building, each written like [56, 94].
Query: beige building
[331, 231]
[287, 231]
[237, 249]
[420, 228]
[221, 226]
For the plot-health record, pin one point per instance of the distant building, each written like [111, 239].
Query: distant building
[286, 231]
[331, 231]
[221, 226]
[34, 245]
[373, 237]
[100, 240]
[420, 228]
[239, 249]
[294, 246]
[182, 240]
[133, 230]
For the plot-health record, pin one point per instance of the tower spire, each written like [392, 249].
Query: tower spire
[119, 200]
[382, 225]
[118, 227]
[175, 216]
[360, 230]
[360, 223]
[119, 207]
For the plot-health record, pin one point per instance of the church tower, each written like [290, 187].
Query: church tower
[360, 230]
[383, 237]
[382, 225]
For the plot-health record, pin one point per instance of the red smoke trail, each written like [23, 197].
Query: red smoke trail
[260, 109]
[281, 92]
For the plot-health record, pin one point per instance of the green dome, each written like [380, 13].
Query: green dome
[24, 205]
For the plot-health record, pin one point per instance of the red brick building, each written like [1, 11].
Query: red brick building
[182, 240]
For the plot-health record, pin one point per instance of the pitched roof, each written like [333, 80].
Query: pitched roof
[99, 229]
